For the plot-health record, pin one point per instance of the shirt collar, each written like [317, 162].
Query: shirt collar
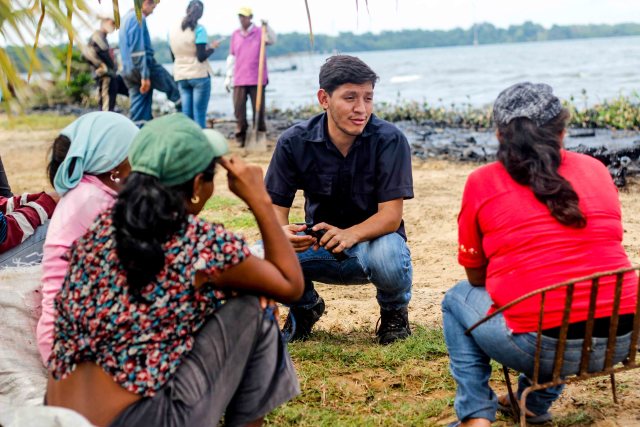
[251, 27]
[94, 180]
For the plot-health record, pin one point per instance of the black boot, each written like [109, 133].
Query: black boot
[300, 321]
[393, 326]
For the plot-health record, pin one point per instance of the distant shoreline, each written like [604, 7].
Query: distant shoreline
[348, 42]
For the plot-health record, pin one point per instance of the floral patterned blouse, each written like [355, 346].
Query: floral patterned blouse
[141, 345]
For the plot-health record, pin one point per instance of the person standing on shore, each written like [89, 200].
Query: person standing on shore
[141, 72]
[243, 65]
[355, 171]
[102, 60]
[191, 70]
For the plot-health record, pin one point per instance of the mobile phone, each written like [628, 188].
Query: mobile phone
[340, 256]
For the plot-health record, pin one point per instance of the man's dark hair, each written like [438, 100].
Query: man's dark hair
[342, 69]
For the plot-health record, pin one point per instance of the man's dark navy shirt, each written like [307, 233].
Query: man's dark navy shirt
[340, 190]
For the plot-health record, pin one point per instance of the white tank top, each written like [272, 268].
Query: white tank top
[186, 64]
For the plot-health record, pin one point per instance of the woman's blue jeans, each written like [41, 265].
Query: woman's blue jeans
[195, 94]
[463, 306]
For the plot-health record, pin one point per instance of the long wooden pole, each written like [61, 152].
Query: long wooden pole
[256, 119]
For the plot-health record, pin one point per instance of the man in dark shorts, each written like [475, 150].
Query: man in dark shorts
[355, 170]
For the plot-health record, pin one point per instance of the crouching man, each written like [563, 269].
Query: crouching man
[355, 170]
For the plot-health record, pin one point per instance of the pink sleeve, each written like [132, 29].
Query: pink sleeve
[470, 253]
[72, 218]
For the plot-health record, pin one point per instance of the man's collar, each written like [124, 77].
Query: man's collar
[248, 30]
[320, 132]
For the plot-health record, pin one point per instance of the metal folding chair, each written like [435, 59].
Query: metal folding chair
[519, 406]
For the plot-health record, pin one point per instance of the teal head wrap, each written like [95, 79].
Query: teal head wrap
[100, 141]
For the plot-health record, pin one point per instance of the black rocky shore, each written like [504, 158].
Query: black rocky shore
[618, 150]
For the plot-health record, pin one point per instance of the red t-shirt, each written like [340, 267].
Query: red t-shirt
[504, 227]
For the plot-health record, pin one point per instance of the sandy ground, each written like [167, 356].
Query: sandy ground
[431, 226]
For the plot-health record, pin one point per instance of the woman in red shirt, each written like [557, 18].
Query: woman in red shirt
[538, 216]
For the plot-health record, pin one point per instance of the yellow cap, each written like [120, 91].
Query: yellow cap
[245, 11]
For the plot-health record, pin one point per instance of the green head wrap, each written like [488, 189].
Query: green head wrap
[174, 149]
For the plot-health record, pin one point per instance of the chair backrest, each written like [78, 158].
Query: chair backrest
[570, 287]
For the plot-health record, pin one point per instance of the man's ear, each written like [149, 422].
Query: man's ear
[323, 99]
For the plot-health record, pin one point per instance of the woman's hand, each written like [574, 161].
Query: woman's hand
[245, 180]
[270, 302]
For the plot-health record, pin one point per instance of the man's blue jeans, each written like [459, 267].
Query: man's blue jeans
[463, 306]
[385, 262]
[140, 104]
[195, 94]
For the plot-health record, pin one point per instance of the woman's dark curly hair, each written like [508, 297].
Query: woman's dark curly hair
[531, 155]
[145, 216]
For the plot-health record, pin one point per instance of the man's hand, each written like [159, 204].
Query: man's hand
[300, 243]
[215, 44]
[335, 239]
[228, 85]
[145, 86]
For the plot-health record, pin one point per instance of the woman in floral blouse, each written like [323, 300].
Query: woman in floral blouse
[144, 335]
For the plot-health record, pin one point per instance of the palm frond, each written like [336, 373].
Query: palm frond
[34, 60]
[306, 4]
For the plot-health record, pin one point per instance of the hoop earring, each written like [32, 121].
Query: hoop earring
[195, 200]
[114, 177]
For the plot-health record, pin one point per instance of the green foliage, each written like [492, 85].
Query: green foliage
[619, 113]
[78, 89]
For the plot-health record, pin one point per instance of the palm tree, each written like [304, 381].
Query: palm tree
[22, 21]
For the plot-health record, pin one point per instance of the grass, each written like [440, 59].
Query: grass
[44, 121]
[236, 216]
[348, 380]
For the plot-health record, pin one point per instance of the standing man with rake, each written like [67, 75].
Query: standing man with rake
[243, 65]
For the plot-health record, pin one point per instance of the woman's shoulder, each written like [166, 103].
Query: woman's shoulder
[493, 170]
[583, 166]
[571, 157]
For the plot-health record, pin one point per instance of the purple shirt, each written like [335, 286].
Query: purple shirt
[246, 48]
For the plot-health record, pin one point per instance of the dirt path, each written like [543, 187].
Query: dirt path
[431, 226]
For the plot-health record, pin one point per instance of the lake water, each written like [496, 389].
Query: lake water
[604, 68]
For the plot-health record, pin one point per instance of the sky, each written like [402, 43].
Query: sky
[334, 16]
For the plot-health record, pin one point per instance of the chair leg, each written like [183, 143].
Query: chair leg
[523, 407]
[512, 398]
[613, 388]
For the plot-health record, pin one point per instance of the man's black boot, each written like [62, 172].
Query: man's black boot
[393, 326]
[300, 321]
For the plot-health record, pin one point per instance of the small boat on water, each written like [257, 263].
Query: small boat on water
[291, 67]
